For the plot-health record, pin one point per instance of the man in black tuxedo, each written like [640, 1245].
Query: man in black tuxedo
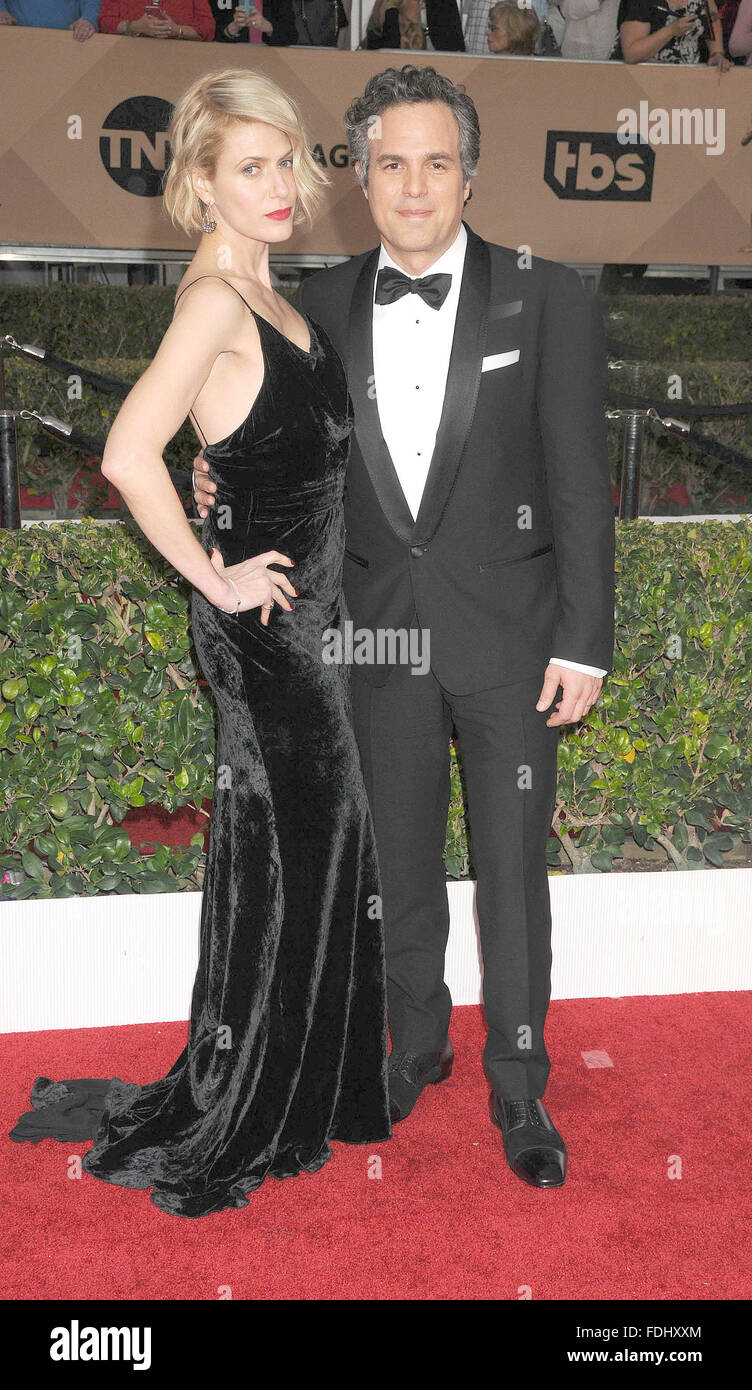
[479, 517]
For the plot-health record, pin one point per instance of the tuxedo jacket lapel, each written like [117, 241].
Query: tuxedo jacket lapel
[463, 380]
[360, 380]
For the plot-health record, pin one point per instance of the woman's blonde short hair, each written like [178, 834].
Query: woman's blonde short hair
[521, 23]
[197, 130]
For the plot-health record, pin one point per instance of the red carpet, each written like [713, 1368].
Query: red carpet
[447, 1218]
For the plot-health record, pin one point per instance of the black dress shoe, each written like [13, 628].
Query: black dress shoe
[409, 1072]
[534, 1148]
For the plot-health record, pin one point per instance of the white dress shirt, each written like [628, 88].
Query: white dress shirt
[412, 344]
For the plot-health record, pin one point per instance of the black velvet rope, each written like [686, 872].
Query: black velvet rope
[111, 384]
[620, 399]
[679, 409]
[713, 446]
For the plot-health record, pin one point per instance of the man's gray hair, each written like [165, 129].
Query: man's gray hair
[396, 86]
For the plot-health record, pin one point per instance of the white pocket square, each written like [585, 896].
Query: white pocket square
[500, 359]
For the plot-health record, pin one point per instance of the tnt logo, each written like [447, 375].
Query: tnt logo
[133, 144]
[589, 165]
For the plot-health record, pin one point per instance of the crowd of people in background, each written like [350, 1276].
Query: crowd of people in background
[716, 32]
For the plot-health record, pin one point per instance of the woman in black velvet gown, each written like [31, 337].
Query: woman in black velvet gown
[287, 1041]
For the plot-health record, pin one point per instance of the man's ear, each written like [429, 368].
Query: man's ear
[468, 192]
[357, 168]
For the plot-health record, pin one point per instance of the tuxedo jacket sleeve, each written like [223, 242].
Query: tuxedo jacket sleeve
[570, 401]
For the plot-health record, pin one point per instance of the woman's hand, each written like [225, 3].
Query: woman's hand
[682, 25]
[82, 29]
[257, 585]
[149, 26]
[253, 19]
[258, 21]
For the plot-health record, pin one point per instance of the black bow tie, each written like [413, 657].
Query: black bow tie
[391, 284]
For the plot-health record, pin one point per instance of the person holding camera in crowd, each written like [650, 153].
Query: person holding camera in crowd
[280, 23]
[655, 31]
[170, 19]
[248, 23]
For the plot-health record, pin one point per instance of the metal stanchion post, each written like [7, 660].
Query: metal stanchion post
[631, 459]
[10, 496]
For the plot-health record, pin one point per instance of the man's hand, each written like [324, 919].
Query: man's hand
[580, 693]
[7, 18]
[203, 488]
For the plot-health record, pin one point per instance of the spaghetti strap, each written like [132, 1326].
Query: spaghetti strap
[177, 296]
[212, 277]
[201, 432]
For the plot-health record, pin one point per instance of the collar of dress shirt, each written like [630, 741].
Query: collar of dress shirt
[452, 260]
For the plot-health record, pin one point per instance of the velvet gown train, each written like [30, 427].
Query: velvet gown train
[287, 1042]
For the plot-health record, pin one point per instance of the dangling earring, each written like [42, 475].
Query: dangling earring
[208, 223]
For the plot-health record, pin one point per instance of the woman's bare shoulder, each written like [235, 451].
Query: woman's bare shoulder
[210, 289]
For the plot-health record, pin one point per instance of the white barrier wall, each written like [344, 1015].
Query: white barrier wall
[97, 962]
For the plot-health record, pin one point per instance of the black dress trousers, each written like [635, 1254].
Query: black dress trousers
[509, 757]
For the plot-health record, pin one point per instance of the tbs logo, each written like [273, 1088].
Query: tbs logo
[588, 165]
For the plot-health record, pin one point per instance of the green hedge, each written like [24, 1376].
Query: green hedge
[124, 321]
[103, 709]
[116, 330]
[681, 328]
